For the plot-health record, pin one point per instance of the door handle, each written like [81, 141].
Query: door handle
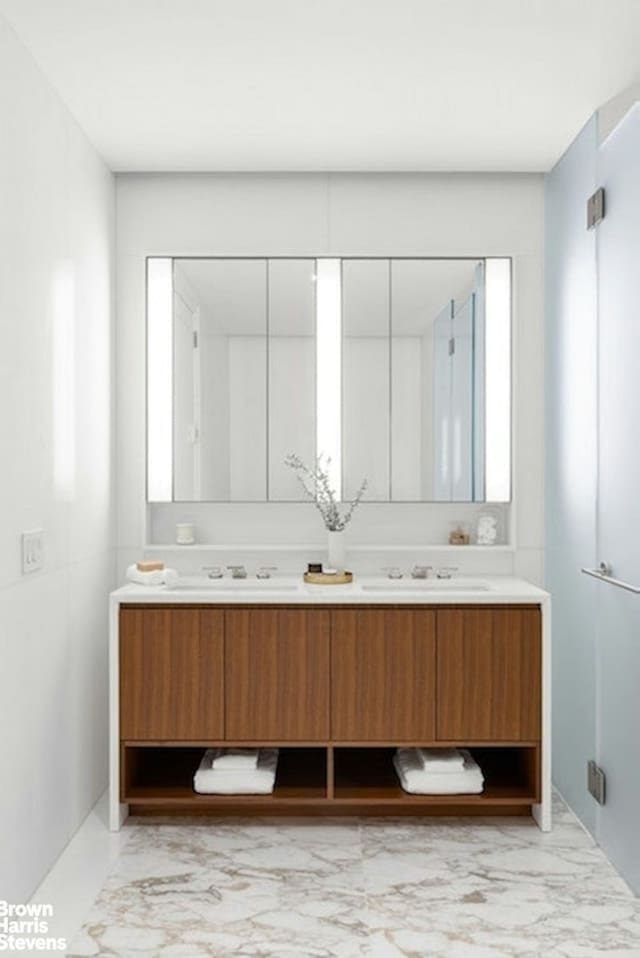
[603, 573]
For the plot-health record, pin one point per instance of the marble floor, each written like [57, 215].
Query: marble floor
[379, 888]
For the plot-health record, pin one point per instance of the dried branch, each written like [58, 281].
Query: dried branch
[317, 487]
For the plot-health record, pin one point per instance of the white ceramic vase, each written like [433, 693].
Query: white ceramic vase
[337, 551]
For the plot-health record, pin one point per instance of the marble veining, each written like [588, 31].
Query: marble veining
[400, 888]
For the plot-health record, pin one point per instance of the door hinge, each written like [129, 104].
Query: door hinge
[596, 782]
[452, 346]
[595, 208]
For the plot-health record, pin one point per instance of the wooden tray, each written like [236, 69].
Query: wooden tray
[321, 578]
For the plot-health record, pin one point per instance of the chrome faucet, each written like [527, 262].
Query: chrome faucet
[393, 572]
[237, 571]
[421, 571]
[264, 571]
[446, 572]
[213, 571]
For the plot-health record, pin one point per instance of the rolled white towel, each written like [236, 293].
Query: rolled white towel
[441, 759]
[166, 577]
[256, 781]
[235, 758]
[171, 577]
[416, 780]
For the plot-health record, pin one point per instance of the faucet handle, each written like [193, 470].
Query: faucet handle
[446, 572]
[213, 571]
[421, 571]
[264, 571]
[393, 571]
[237, 571]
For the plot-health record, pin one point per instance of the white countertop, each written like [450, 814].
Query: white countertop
[365, 590]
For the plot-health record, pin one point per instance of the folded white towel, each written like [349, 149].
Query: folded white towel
[256, 781]
[441, 759]
[166, 577]
[416, 780]
[235, 758]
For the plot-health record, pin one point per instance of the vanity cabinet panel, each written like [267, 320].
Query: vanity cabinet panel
[383, 668]
[277, 674]
[171, 674]
[337, 688]
[489, 675]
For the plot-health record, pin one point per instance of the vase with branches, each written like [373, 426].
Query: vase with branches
[316, 484]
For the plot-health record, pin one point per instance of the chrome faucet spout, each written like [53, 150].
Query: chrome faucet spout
[446, 572]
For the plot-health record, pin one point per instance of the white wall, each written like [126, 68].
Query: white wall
[247, 417]
[331, 215]
[56, 255]
[185, 475]
[292, 410]
[365, 401]
[214, 423]
[407, 425]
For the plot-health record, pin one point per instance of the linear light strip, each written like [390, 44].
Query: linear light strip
[498, 379]
[159, 380]
[329, 367]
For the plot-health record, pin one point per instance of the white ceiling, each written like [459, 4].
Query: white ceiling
[332, 84]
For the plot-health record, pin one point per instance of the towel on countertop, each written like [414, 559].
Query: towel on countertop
[238, 781]
[416, 780]
[235, 758]
[439, 760]
[166, 577]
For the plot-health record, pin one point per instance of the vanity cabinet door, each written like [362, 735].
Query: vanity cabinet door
[383, 666]
[171, 674]
[277, 675]
[489, 675]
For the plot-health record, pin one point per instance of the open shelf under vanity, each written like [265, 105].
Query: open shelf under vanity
[158, 780]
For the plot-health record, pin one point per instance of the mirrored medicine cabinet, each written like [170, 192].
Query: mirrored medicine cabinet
[398, 369]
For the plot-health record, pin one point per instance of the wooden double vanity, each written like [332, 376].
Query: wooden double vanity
[337, 686]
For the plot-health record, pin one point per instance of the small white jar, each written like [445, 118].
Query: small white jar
[185, 534]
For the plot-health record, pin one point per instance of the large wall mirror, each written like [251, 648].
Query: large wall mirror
[399, 369]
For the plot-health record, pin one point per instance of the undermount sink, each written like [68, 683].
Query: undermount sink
[431, 585]
[233, 585]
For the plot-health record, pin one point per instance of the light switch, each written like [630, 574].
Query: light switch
[32, 550]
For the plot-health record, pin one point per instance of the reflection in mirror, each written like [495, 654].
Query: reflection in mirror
[220, 378]
[399, 369]
[365, 383]
[435, 320]
[292, 358]
[426, 409]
